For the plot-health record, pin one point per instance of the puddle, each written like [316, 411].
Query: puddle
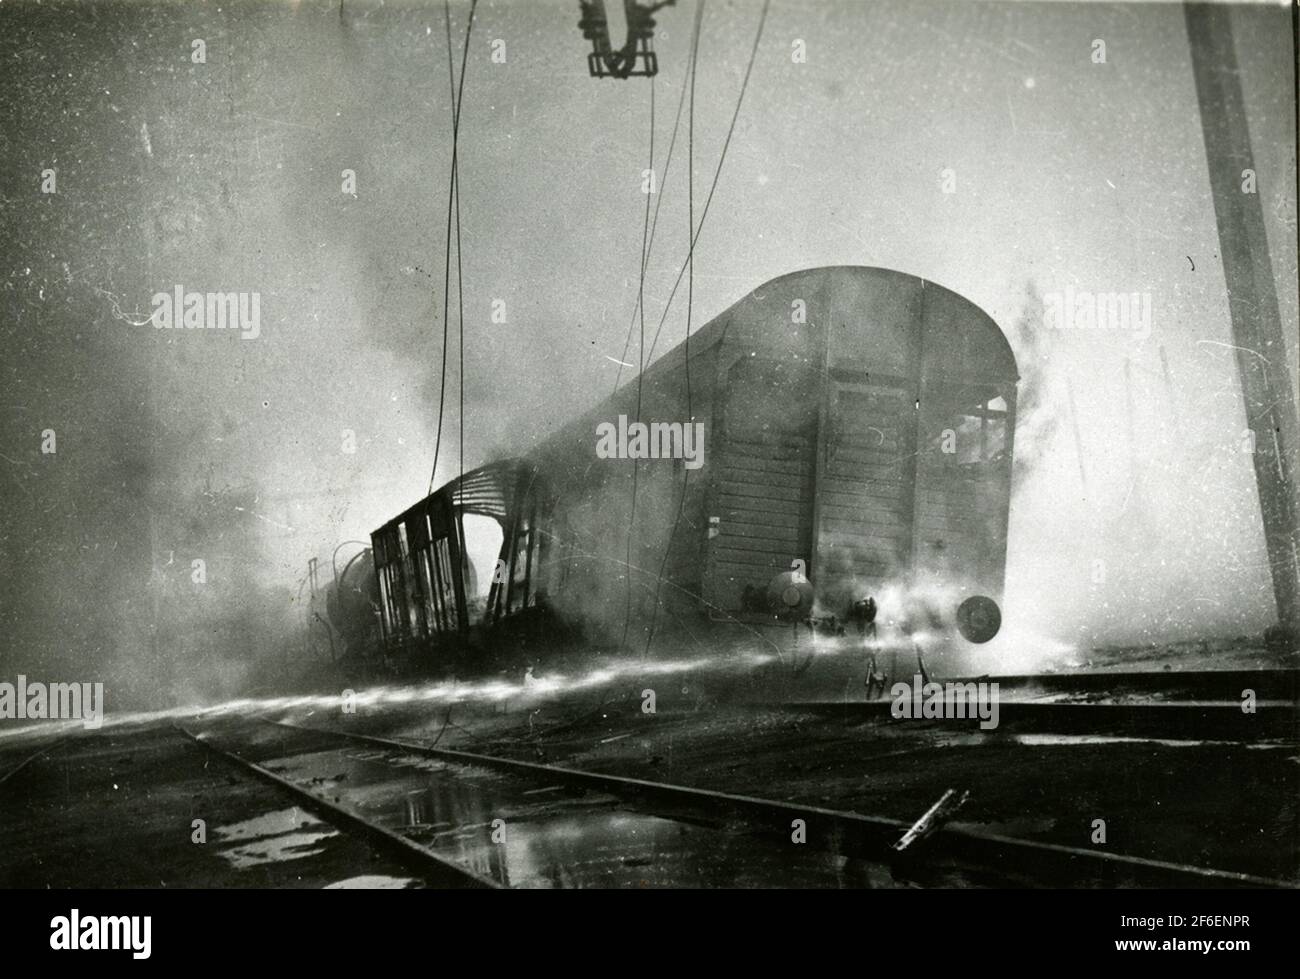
[1035, 740]
[535, 834]
[1057, 740]
[373, 882]
[285, 834]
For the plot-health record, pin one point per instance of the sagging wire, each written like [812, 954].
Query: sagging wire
[453, 206]
[693, 235]
[717, 173]
[645, 228]
[654, 224]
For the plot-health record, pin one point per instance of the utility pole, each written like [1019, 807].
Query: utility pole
[1252, 297]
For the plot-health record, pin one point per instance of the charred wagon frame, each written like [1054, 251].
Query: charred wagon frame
[857, 420]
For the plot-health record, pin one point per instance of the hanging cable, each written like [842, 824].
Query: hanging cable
[690, 296]
[453, 205]
[693, 235]
[762, 18]
[654, 224]
[460, 336]
[645, 227]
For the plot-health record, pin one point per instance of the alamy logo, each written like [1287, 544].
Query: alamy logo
[657, 440]
[179, 309]
[919, 700]
[131, 932]
[54, 701]
[1123, 311]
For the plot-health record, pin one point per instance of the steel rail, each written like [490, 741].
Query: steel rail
[866, 836]
[56, 743]
[436, 869]
[1155, 721]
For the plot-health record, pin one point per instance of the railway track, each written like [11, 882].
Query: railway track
[496, 821]
[29, 759]
[1170, 685]
[1157, 721]
[435, 868]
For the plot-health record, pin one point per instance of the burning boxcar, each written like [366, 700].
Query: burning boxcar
[850, 437]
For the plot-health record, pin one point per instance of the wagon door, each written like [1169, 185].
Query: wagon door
[965, 483]
[867, 469]
[762, 511]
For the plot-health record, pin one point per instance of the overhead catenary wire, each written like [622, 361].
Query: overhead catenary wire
[690, 301]
[648, 248]
[758, 35]
[453, 209]
[645, 227]
[460, 334]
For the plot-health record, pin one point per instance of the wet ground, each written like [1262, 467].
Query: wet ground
[119, 810]
[117, 807]
[1223, 805]
[533, 833]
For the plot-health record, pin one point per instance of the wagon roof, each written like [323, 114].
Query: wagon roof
[837, 292]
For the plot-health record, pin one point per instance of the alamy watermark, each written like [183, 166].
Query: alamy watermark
[53, 701]
[178, 309]
[1127, 312]
[656, 440]
[74, 931]
[919, 700]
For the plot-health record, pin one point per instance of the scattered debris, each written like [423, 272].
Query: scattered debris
[938, 814]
